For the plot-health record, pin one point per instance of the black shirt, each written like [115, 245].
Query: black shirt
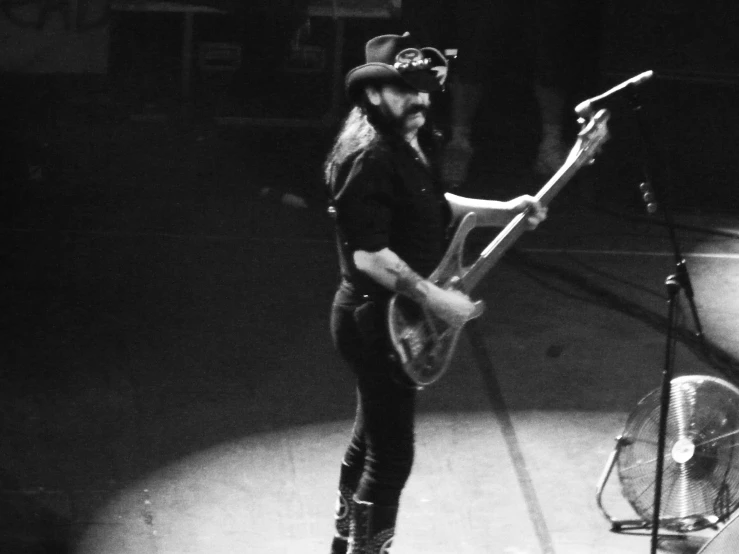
[386, 197]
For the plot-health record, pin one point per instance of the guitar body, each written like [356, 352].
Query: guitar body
[424, 343]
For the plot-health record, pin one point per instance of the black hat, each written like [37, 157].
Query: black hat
[397, 58]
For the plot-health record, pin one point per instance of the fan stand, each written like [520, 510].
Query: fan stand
[699, 521]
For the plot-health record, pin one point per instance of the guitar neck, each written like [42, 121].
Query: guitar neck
[517, 226]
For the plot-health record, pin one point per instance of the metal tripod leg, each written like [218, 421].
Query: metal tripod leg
[616, 524]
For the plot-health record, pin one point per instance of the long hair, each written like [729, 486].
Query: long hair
[356, 134]
[363, 126]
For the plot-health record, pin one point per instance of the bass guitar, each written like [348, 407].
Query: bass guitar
[424, 343]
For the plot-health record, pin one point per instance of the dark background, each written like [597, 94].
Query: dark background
[694, 52]
[143, 267]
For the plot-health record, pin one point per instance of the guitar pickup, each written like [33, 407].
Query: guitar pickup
[412, 346]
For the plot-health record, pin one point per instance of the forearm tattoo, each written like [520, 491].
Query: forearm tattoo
[409, 283]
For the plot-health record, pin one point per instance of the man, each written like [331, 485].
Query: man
[392, 221]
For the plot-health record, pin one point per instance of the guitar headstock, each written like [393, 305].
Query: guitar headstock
[593, 134]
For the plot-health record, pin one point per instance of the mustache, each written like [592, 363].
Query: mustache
[417, 108]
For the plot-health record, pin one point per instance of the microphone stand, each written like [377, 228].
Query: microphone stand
[678, 281]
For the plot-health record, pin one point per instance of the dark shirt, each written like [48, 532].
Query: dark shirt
[385, 197]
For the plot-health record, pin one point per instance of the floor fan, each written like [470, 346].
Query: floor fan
[700, 475]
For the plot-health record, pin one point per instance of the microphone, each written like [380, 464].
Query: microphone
[585, 107]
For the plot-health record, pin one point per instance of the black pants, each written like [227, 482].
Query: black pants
[380, 455]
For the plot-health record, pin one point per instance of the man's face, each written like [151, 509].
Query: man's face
[403, 106]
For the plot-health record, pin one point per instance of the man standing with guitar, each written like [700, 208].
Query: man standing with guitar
[392, 217]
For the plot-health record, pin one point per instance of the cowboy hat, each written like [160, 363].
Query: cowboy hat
[396, 58]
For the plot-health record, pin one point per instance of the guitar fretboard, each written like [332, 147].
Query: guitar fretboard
[517, 226]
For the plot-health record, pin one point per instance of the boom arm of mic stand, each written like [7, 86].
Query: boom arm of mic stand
[587, 107]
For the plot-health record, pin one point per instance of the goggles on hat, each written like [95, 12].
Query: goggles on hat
[411, 59]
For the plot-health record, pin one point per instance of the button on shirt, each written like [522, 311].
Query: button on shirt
[386, 197]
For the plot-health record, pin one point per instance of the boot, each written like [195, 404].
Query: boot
[372, 528]
[342, 517]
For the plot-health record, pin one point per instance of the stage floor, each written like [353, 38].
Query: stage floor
[170, 386]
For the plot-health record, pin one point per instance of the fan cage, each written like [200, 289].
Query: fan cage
[700, 476]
